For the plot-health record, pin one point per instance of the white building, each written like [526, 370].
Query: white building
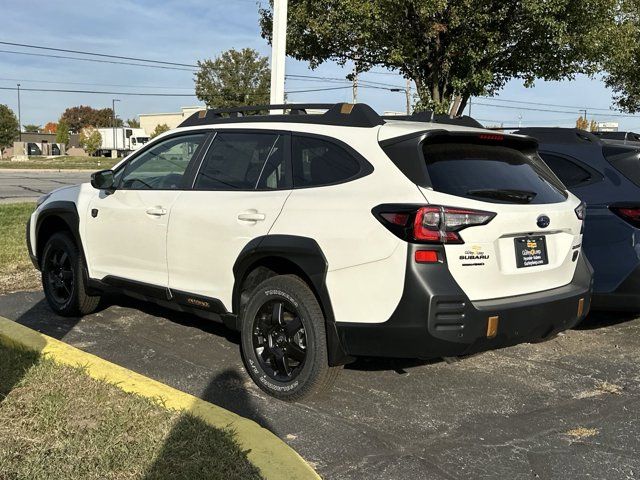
[607, 126]
[149, 121]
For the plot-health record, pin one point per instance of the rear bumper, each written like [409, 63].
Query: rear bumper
[435, 318]
[624, 298]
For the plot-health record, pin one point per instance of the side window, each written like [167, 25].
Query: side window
[319, 162]
[244, 161]
[163, 165]
[567, 171]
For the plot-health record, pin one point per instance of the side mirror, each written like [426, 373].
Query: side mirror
[102, 180]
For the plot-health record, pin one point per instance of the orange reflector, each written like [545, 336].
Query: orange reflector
[346, 108]
[426, 256]
[580, 307]
[492, 327]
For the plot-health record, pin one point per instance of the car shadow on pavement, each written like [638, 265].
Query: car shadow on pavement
[175, 316]
[602, 319]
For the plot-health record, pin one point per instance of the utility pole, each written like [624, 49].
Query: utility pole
[519, 120]
[470, 106]
[113, 122]
[407, 93]
[355, 85]
[19, 119]
[278, 52]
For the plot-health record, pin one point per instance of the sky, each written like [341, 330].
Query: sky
[185, 31]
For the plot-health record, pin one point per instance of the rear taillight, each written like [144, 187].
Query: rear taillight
[431, 223]
[630, 214]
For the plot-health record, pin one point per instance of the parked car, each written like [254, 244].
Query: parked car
[606, 175]
[325, 237]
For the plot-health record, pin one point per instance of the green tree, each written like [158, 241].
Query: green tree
[84, 116]
[133, 123]
[62, 133]
[90, 139]
[31, 128]
[234, 78]
[160, 129]
[9, 129]
[622, 57]
[450, 48]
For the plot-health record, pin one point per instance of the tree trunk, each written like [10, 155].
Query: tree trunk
[463, 105]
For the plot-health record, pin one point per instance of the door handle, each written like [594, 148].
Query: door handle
[251, 217]
[156, 211]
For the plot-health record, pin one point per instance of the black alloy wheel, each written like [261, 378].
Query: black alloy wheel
[64, 277]
[279, 340]
[59, 275]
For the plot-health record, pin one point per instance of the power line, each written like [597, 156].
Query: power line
[96, 60]
[334, 79]
[543, 104]
[548, 110]
[97, 54]
[94, 84]
[140, 94]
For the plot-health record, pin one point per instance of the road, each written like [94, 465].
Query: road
[28, 185]
[565, 408]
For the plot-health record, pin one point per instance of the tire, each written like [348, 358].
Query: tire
[283, 340]
[64, 279]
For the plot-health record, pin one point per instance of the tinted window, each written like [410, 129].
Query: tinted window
[244, 161]
[318, 162]
[488, 173]
[568, 172]
[163, 165]
[626, 160]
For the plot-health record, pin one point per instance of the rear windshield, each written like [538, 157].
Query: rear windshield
[491, 174]
[625, 159]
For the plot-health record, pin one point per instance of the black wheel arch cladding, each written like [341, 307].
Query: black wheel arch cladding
[307, 256]
[63, 211]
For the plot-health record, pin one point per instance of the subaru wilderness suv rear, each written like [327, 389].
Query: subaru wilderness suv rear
[325, 237]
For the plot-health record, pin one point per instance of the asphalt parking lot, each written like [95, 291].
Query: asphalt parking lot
[28, 185]
[565, 408]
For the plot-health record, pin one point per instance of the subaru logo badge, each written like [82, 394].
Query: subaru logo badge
[543, 221]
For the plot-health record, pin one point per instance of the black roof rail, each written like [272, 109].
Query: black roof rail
[625, 136]
[430, 116]
[558, 135]
[339, 114]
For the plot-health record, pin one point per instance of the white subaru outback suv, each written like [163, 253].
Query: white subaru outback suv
[325, 237]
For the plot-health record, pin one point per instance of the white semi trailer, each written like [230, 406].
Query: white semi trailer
[123, 140]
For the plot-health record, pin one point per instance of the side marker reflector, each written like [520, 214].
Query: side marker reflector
[426, 256]
[492, 327]
[580, 307]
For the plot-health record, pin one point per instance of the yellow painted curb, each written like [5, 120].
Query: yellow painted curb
[275, 459]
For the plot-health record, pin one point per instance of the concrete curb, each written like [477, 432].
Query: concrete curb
[274, 458]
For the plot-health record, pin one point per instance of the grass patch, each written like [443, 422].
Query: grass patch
[62, 163]
[16, 270]
[57, 422]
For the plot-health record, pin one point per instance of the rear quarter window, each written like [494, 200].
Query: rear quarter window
[490, 173]
[625, 159]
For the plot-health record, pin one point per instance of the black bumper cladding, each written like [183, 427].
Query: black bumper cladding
[435, 318]
[624, 298]
[33, 258]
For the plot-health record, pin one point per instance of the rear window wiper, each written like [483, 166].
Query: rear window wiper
[516, 196]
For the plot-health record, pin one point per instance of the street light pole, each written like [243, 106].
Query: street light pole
[113, 121]
[278, 51]
[19, 119]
